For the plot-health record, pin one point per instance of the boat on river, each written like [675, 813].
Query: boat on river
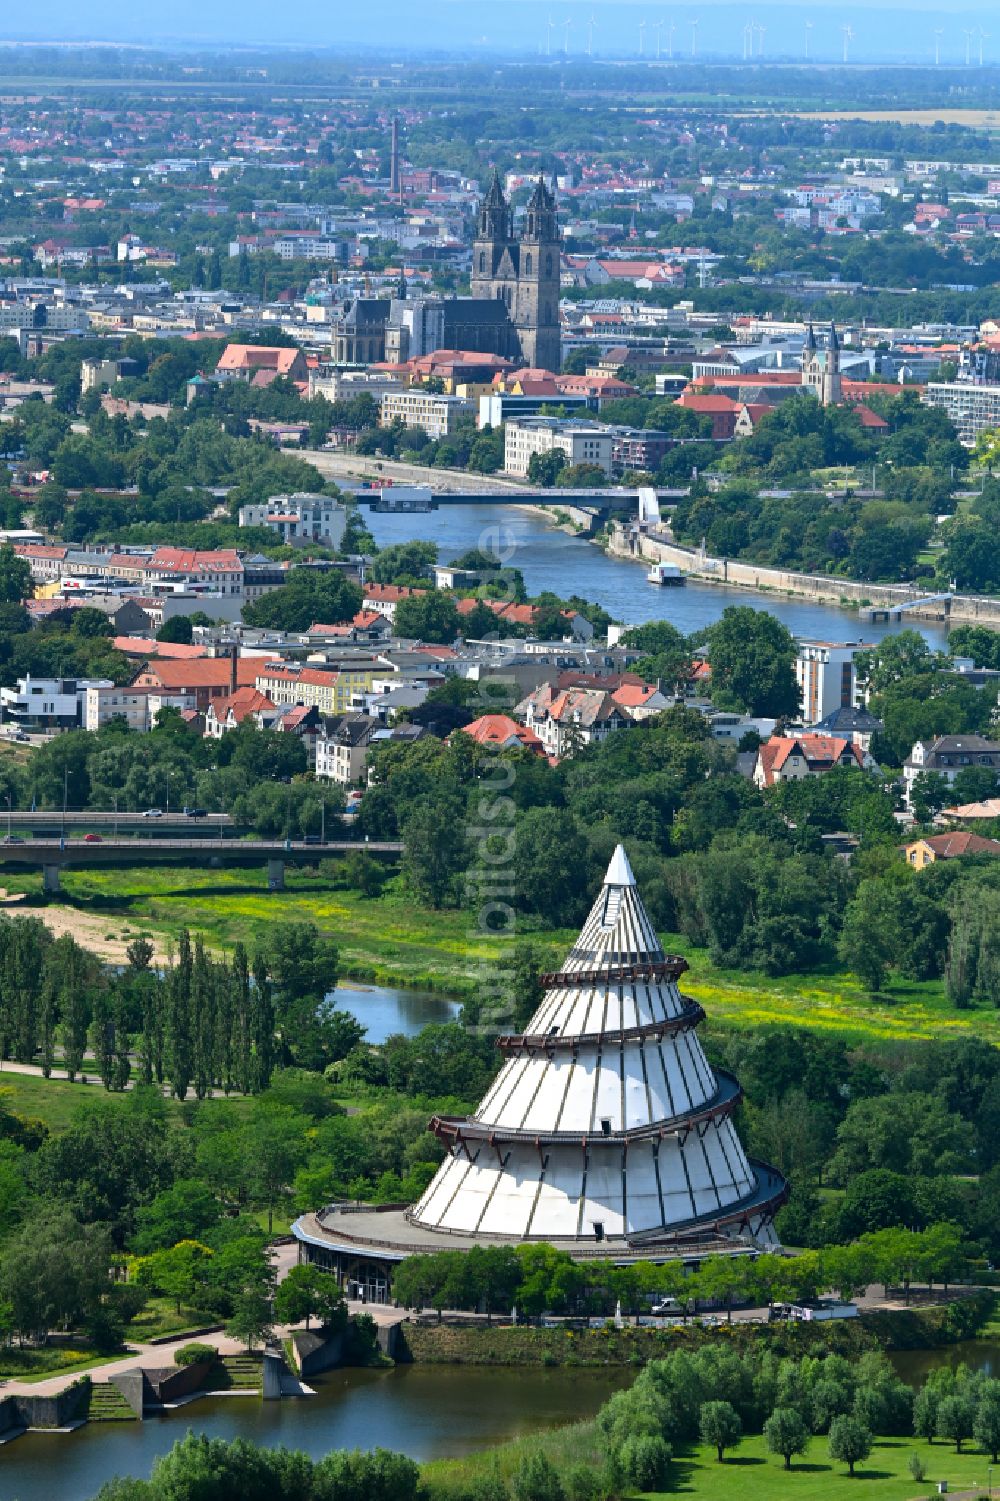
[666, 575]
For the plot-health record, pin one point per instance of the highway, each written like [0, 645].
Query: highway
[48, 819]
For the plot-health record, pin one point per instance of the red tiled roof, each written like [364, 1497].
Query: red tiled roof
[950, 846]
[500, 729]
[138, 646]
[246, 700]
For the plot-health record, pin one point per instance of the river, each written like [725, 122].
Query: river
[383, 1010]
[551, 559]
[428, 1412]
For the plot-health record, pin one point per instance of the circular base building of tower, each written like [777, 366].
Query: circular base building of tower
[362, 1244]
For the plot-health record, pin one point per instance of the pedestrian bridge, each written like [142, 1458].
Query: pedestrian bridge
[875, 613]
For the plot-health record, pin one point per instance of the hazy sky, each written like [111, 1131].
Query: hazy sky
[521, 25]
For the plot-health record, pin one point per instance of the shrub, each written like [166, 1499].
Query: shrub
[535, 1479]
[644, 1462]
[192, 1353]
[916, 1467]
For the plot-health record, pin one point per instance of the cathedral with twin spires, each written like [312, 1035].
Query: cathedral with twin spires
[521, 272]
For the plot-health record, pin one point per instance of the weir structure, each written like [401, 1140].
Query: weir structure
[606, 1132]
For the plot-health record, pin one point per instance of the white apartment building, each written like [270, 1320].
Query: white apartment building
[971, 408]
[137, 706]
[827, 677]
[436, 415]
[301, 517]
[582, 443]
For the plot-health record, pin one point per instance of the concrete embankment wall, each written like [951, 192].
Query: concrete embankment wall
[823, 589]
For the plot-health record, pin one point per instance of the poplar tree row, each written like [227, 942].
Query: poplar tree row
[200, 1025]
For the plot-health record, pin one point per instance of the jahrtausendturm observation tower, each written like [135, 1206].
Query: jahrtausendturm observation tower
[606, 1122]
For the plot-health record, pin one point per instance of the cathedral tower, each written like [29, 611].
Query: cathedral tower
[521, 273]
[538, 287]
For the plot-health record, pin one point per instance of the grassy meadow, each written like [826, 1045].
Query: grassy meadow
[748, 1470]
[390, 940]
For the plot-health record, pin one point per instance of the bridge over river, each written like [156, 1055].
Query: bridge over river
[52, 854]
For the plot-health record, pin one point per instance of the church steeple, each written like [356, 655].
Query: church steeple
[494, 213]
[810, 344]
[541, 220]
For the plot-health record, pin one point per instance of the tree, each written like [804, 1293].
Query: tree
[752, 657]
[785, 1433]
[644, 1461]
[305, 1293]
[176, 628]
[986, 1424]
[434, 850]
[178, 1272]
[720, 1426]
[430, 617]
[310, 597]
[850, 1441]
[15, 576]
[956, 1418]
[251, 1318]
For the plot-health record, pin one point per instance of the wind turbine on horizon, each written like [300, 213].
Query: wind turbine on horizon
[938, 33]
[694, 37]
[671, 28]
[642, 38]
[983, 35]
[968, 46]
[848, 39]
[590, 36]
[658, 27]
[567, 25]
[760, 40]
[548, 36]
[809, 27]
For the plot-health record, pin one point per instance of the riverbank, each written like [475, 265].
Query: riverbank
[887, 1328]
[847, 594]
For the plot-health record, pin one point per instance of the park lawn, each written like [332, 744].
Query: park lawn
[57, 1101]
[391, 940]
[160, 1317]
[884, 1476]
[38, 1365]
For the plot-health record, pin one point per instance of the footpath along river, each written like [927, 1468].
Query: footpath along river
[551, 559]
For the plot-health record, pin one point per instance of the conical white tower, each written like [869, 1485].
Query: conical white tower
[606, 1123]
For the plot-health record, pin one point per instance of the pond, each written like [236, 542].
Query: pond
[914, 1366]
[383, 1010]
[428, 1412]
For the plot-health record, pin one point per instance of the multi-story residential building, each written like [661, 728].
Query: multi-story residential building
[342, 747]
[945, 757]
[382, 599]
[300, 517]
[581, 443]
[791, 758]
[220, 572]
[827, 677]
[434, 414]
[972, 408]
[138, 707]
[566, 720]
[331, 691]
[43, 705]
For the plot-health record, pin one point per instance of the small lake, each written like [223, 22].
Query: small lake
[383, 1011]
[428, 1412]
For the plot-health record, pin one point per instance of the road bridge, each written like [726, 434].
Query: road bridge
[52, 855]
[616, 499]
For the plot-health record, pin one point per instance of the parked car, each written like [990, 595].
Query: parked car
[93, 839]
[153, 813]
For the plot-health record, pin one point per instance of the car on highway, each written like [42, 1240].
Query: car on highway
[93, 839]
[195, 812]
[13, 839]
[153, 813]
